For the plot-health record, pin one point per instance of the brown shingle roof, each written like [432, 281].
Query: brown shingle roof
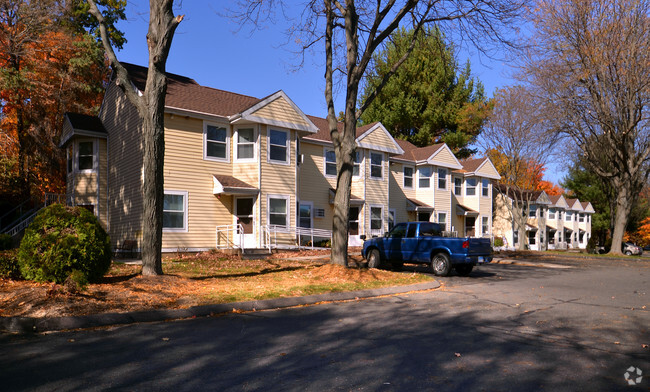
[232, 182]
[324, 130]
[85, 122]
[415, 154]
[471, 165]
[186, 93]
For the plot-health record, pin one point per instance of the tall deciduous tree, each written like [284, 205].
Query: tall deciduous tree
[591, 64]
[517, 140]
[150, 106]
[430, 99]
[49, 64]
[353, 31]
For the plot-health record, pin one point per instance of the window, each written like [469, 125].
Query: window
[430, 230]
[531, 237]
[532, 212]
[587, 218]
[376, 219]
[485, 225]
[485, 189]
[569, 216]
[515, 237]
[353, 221]
[442, 220]
[424, 216]
[278, 210]
[424, 177]
[551, 213]
[458, 186]
[356, 169]
[442, 178]
[399, 231]
[376, 163]
[559, 214]
[246, 143]
[175, 211]
[216, 142]
[278, 146]
[408, 177]
[304, 215]
[559, 236]
[70, 158]
[86, 156]
[581, 217]
[330, 163]
[470, 187]
[391, 219]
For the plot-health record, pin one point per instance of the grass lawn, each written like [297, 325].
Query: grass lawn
[206, 278]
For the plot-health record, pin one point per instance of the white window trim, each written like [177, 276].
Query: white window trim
[268, 146]
[454, 178]
[287, 199]
[185, 228]
[255, 143]
[489, 224]
[554, 213]
[370, 207]
[205, 142]
[325, 150]
[475, 187]
[311, 213]
[370, 165]
[412, 177]
[438, 178]
[446, 217]
[488, 187]
[362, 159]
[431, 177]
[75, 163]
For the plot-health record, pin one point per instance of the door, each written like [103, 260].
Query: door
[244, 216]
[470, 222]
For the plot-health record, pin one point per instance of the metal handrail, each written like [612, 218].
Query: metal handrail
[298, 232]
[230, 230]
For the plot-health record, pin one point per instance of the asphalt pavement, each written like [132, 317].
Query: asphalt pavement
[508, 327]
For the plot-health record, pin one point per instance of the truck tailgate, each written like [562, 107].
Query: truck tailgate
[479, 247]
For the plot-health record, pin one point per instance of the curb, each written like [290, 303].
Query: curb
[23, 325]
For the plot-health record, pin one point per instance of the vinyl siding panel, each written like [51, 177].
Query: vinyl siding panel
[278, 179]
[280, 110]
[314, 186]
[376, 193]
[122, 123]
[102, 211]
[488, 170]
[442, 198]
[445, 158]
[85, 188]
[397, 196]
[186, 170]
[379, 138]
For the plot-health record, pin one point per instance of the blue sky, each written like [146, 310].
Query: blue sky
[208, 48]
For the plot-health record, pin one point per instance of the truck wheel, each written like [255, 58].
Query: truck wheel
[374, 260]
[440, 264]
[464, 269]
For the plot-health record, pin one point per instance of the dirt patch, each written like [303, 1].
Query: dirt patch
[205, 278]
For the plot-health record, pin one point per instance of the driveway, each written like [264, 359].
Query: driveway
[506, 327]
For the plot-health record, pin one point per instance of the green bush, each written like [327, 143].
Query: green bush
[498, 242]
[9, 265]
[592, 244]
[6, 242]
[62, 240]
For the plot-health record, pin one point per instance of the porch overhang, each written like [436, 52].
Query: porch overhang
[530, 227]
[354, 200]
[229, 185]
[550, 226]
[465, 211]
[417, 206]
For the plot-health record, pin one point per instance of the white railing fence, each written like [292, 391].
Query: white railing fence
[229, 236]
[287, 237]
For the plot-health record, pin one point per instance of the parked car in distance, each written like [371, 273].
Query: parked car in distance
[646, 248]
[629, 249]
[422, 243]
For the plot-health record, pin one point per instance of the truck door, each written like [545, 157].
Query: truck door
[393, 243]
[409, 243]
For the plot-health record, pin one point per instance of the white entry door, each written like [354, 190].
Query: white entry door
[245, 217]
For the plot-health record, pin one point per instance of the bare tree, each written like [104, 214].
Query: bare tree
[517, 140]
[352, 32]
[591, 64]
[150, 106]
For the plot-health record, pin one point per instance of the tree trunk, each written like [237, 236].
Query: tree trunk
[623, 207]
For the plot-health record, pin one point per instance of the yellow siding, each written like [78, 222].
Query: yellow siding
[314, 185]
[125, 166]
[457, 221]
[379, 138]
[488, 170]
[376, 194]
[186, 170]
[280, 110]
[278, 179]
[445, 157]
[85, 188]
[397, 195]
[442, 198]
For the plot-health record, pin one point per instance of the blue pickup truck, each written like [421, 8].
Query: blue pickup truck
[422, 243]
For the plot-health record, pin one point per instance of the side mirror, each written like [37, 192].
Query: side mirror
[362, 237]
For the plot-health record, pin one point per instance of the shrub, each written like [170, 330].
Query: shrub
[9, 265]
[62, 240]
[498, 242]
[592, 244]
[6, 242]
